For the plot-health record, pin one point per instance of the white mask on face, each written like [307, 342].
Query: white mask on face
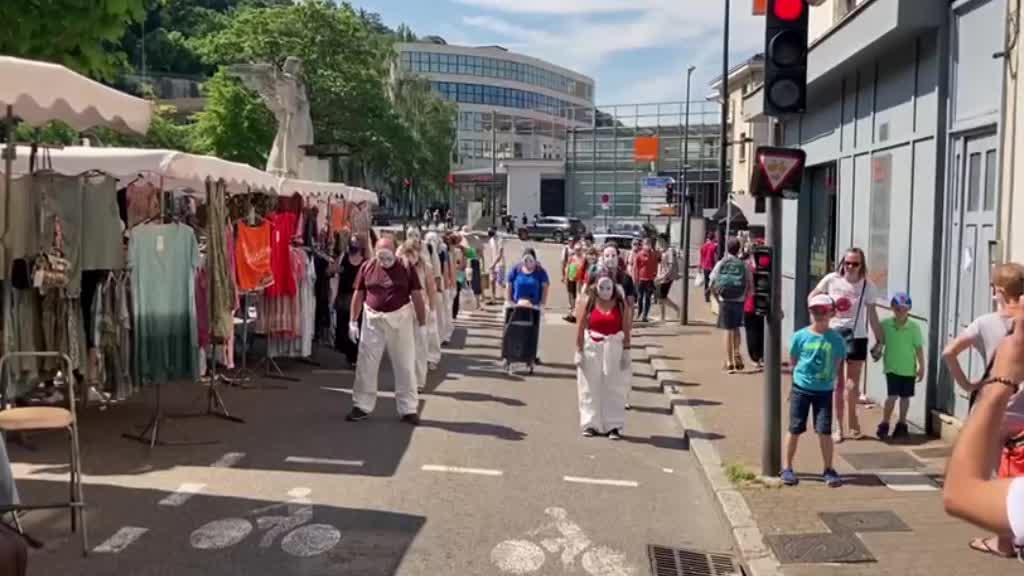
[605, 288]
[529, 262]
[610, 261]
[386, 257]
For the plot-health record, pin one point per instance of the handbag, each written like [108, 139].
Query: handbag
[1011, 461]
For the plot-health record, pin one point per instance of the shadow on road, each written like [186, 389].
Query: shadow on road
[372, 542]
[476, 428]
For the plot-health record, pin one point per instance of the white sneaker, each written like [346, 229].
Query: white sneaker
[837, 436]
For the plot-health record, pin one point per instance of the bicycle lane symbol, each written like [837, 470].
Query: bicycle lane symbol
[299, 538]
[565, 537]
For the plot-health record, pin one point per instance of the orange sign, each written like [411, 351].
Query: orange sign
[645, 148]
[760, 7]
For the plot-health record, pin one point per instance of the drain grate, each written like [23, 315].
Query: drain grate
[666, 561]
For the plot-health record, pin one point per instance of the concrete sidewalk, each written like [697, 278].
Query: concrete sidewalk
[887, 519]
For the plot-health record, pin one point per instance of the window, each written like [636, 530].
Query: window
[974, 182]
[990, 180]
[878, 221]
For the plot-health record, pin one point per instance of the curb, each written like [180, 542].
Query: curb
[758, 557]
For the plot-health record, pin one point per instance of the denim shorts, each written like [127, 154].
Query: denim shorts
[801, 402]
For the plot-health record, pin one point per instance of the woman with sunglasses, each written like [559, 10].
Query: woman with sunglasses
[855, 297]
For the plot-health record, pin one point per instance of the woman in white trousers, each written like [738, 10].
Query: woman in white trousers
[410, 253]
[603, 360]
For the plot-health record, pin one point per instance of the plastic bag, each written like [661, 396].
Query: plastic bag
[467, 301]
[699, 280]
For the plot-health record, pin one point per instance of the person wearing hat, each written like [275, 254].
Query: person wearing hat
[816, 353]
[903, 358]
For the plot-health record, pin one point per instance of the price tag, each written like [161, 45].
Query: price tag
[159, 244]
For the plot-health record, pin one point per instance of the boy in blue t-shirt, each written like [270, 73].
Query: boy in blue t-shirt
[815, 352]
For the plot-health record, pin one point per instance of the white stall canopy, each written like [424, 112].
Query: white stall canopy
[41, 91]
[171, 168]
[325, 190]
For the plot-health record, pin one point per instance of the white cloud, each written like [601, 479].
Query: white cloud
[587, 33]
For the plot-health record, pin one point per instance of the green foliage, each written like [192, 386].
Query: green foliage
[80, 35]
[235, 124]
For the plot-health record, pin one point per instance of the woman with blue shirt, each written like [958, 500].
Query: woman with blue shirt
[528, 282]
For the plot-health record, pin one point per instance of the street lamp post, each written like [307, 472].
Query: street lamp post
[684, 208]
[723, 194]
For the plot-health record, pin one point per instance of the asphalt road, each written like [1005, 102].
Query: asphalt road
[496, 480]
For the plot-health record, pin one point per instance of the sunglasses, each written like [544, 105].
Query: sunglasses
[851, 264]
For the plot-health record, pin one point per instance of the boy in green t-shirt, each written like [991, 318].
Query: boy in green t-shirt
[903, 358]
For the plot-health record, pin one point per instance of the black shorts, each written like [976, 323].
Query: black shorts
[475, 282]
[857, 350]
[902, 386]
[801, 402]
[663, 290]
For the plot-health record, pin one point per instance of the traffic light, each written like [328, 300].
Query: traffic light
[670, 193]
[785, 49]
[764, 262]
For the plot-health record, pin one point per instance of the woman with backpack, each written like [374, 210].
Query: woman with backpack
[603, 361]
[855, 297]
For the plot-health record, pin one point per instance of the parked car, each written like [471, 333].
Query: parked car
[557, 228]
[622, 241]
[633, 229]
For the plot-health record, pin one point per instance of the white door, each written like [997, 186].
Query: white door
[973, 237]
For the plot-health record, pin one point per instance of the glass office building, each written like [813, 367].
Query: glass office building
[601, 160]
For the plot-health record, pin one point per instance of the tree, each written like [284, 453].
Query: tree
[235, 124]
[345, 67]
[80, 35]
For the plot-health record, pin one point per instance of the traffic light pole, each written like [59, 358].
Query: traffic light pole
[684, 209]
[771, 448]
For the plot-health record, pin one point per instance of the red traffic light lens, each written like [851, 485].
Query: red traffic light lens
[788, 10]
[764, 261]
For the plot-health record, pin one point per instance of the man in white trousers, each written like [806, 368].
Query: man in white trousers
[389, 297]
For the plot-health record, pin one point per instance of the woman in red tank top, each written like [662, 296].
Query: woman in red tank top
[604, 365]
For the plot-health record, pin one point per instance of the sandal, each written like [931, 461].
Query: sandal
[984, 546]
[855, 435]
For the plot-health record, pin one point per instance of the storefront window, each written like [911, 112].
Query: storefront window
[881, 198]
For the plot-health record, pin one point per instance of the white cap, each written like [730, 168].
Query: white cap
[820, 301]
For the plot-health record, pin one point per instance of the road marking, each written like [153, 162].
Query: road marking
[518, 557]
[228, 460]
[311, 540]
[602, 481]
[325, 461]
[121, 539]
[220, 534]
[182, 494]
[460, 470]
[381, 394]
[667, 470]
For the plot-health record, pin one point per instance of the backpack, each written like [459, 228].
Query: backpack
[732, 279]
[673, 265]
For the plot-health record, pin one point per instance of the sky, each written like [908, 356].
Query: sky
[637, 51]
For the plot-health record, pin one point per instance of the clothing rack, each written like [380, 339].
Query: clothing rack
[150, 433]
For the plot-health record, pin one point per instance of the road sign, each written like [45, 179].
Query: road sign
[605, 201]
[652, 194]
[779, 172]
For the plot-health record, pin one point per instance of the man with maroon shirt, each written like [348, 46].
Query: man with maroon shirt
[389, 297]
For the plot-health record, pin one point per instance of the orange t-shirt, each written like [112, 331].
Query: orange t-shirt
[252, 257]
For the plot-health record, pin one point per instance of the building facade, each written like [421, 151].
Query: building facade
[902, 135]
[515, 114]
[746, 133]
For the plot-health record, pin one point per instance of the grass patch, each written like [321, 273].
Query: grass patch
[739, 474]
